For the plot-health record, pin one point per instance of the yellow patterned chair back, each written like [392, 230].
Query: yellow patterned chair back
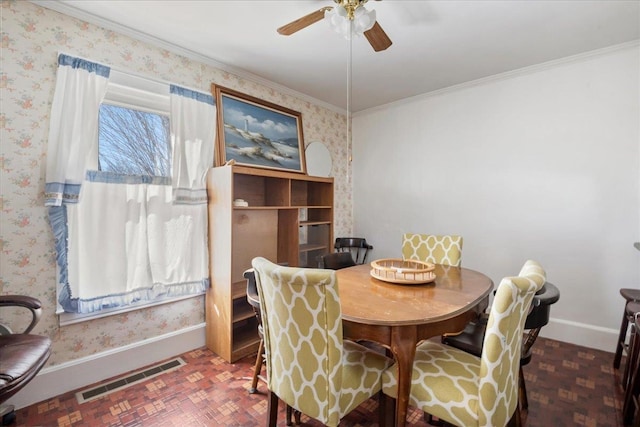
[445, 249]
[309, 366]
[467, 390]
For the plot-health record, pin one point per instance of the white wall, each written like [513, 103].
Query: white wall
[539, 164]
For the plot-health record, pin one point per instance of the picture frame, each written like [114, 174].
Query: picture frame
[257, 133]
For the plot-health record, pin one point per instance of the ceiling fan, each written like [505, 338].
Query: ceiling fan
[348, 11]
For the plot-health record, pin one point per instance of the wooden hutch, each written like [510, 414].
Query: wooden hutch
[288, 219]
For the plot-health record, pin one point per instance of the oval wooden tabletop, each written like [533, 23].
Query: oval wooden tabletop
[365, 299]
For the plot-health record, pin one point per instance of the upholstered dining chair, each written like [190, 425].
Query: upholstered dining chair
[472, 338]
[357, 246]
[309, 366]
[336, 260]
[437, 249]
[466, 390]
[254, 300]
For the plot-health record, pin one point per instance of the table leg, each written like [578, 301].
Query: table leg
[403, 346]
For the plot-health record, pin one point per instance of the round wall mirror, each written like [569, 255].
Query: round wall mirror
[318, 159]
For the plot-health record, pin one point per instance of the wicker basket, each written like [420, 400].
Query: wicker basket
[408, 272]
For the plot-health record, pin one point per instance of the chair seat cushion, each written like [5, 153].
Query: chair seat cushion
[450, 398]
[21, 357]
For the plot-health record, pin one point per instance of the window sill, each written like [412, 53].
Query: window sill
[66, 319]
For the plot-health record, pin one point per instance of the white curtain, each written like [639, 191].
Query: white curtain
[193, 132]
[141, 248]
[73, 130]
[125, 238]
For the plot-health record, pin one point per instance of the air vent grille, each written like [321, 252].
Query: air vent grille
[134, 378]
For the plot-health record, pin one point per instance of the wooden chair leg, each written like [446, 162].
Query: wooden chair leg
[257, 368]
[428, 418]
[629, 411]
[382, 409]
[254, 388]
[390, 410]
[296, 415]
[632, 389]
[628, 368]
[272, 410]
[523, 401]
[289, 413]
[621, 339]
[515, 420]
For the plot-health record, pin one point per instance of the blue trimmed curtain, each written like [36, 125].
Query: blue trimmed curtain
[127, 239]
[193, 132]
[73, 130]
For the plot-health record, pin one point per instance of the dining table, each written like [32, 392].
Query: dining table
[399, 316]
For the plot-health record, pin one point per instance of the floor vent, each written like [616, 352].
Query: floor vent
[136, 377]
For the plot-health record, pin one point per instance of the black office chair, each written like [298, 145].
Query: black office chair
[336, 260]
[22, 355]
[471, 339]
[357, 246]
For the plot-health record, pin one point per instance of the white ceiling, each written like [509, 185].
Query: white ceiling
[436, 44]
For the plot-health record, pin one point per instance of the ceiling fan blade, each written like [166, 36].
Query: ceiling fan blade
[305, 21]
[377, 38]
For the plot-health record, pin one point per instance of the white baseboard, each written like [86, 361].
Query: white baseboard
[590, 336]
[88, 370]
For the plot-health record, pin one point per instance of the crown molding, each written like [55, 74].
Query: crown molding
[154, 41]
[508, 75]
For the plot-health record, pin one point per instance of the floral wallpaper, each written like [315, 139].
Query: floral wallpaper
[32, 37]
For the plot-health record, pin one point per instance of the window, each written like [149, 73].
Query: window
[136, 235]
[134, 134]
[133, 142]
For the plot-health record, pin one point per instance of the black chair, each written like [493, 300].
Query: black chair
[254, 300]
[336, 260]
[471, 339]
[631, 310]
[629, 295]
[357, 246]
[631, 401]
[22, 354]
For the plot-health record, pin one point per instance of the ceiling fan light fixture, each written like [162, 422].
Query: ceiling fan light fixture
[338, 19]
[363, 20]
